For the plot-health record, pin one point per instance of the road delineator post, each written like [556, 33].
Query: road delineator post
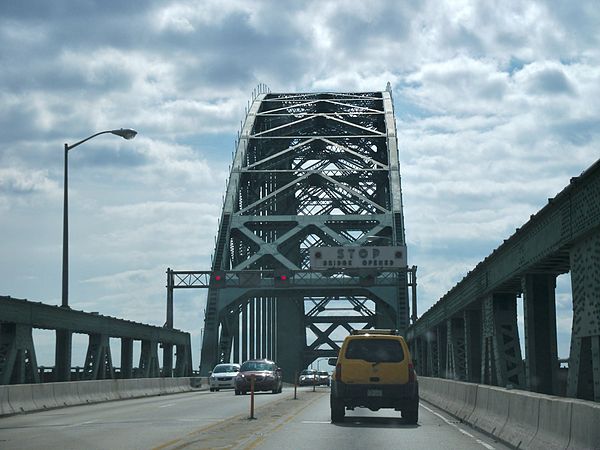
[295, 385]
[252, 377]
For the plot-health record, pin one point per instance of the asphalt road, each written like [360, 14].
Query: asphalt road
[212, 420]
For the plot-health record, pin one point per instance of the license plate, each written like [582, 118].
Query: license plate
[374, 393]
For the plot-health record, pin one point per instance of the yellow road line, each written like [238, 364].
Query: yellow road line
[259, 439]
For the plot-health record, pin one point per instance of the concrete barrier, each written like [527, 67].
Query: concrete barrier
[43, 395]
[522, 421]
[554, 425]
[585, 425]
[97, 391]
[131, 388]
[491, 409]
[5, 407]
[518, 418]
[66, 393]
[20, 398]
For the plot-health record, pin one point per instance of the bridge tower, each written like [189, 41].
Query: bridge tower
[310, 170]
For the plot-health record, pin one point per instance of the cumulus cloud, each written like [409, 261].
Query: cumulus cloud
[495, 103]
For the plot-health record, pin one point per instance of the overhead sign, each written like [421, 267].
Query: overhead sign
[390, 257]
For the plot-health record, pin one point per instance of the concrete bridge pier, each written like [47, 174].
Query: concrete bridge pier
[18, 363]
[583, 379]
[539, 306]
[98, 360]
[473, 342]
[432, 354]
[456, 360]
[62, 355]
[501, 362]
[291, 336]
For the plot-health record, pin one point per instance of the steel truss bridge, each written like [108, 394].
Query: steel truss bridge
[310, 170]
[471, 333]
[18, 362]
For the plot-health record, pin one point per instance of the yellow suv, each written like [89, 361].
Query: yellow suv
[374, 370]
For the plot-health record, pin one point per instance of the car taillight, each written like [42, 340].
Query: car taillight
[412, 376]
[338, 372]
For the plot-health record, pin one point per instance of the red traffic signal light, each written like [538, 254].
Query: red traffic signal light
[217, 279]
[282, 278]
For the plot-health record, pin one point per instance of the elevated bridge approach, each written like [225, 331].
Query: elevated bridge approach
[471, 333]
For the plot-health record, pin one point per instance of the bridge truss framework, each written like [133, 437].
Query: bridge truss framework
[310, 170]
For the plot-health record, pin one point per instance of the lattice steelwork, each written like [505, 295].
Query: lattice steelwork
[316, 169]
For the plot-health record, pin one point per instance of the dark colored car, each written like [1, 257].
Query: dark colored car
[267, 377]
[308, 377]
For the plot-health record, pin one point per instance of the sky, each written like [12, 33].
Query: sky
[496, 106]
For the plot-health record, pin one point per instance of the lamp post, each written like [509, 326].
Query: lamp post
[124, 133]
[62, 365]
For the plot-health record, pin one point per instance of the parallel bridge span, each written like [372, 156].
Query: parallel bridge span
[18, 362]
[471, 332]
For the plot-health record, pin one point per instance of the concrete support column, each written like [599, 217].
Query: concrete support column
[149, 367]
[62, 355]
[291, 336]
[236, 342]
[501, 363]
[167, 360]
[18, 364]
[541, 356]
[265, 327]
[244, 332]
[258, 330]
[252, 328]
[126, 358]
[98, 360]
[432, 354]
[442, 348]
[183, 364]
[473, 342]
[583, 380]
[455, 360]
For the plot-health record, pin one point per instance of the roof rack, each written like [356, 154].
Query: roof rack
[375, 331]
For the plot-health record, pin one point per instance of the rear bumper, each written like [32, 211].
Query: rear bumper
[262, 385]
[376, 395]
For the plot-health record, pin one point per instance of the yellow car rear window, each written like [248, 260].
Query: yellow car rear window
[375, 350]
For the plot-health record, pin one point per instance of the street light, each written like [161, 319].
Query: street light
[125, 133]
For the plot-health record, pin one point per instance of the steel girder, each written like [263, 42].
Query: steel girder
[17, 353]
[310, 170]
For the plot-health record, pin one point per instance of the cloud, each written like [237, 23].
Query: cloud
[495, 103]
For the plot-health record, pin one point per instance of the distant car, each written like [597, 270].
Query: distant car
[308, 377]
[223, 376]
[323, 378]
[267, 377]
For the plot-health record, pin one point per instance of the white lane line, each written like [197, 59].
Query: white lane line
[167, 405]
[316, 421]
[479, 441]
[79, 424]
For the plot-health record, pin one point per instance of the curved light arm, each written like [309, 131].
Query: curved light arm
[125, 133]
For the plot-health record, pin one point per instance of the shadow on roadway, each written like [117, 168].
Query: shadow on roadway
[374, 422]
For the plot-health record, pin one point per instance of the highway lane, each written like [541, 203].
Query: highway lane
[128, 424]
[311, 428]
[207, 420]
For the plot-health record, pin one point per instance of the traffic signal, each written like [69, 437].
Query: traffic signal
[282, 278]
[367, 279]
[217, 279]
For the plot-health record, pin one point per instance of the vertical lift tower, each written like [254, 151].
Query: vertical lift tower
[310, 171]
